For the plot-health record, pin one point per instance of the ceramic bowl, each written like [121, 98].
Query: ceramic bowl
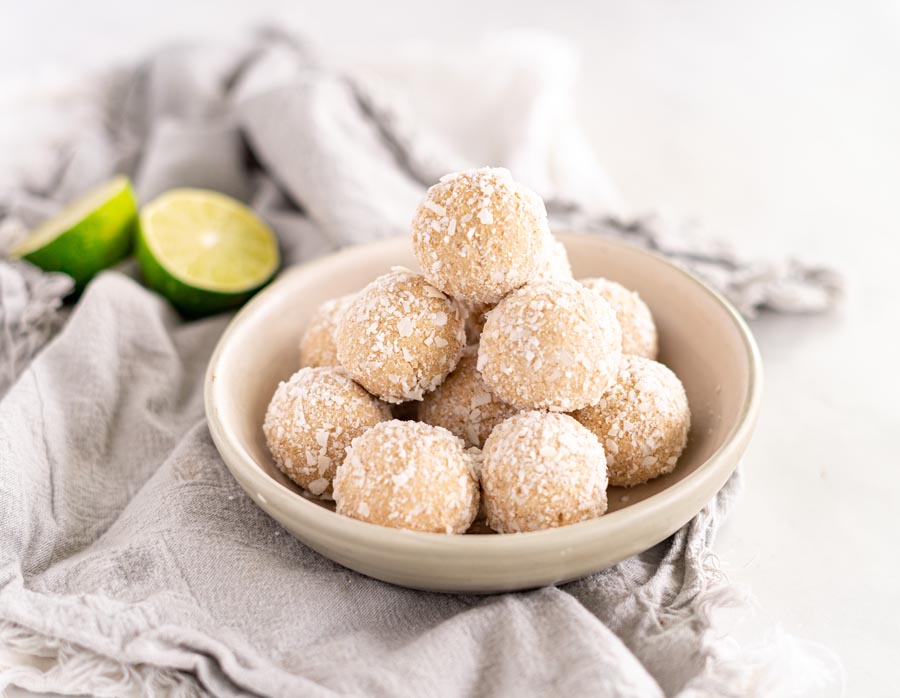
[702, 338]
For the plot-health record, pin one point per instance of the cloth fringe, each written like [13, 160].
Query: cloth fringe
[784, 285]
[51, 665]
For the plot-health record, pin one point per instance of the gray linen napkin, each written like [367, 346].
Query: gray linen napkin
[131, 563]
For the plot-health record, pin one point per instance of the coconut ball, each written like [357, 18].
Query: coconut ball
[409, 475]
[400, 336]
[317, 347]
[311, 420]
[463, 404]
[555, 263]
[542, 470]
[551, 345]
[643, 422]
[479, 234]
[638, 328]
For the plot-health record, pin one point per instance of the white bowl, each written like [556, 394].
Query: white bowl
[702, 338]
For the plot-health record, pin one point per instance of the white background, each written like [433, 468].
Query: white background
[776, 124]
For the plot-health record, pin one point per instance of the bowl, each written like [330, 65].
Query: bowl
[702, 338]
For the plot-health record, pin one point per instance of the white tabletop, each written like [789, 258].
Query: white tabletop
[775, 125]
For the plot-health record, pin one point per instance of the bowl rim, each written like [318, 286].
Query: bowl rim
[312, 515]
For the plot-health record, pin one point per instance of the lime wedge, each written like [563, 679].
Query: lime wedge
[204, 251]
[89, 235]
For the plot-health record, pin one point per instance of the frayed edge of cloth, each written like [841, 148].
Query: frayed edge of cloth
[783, 285]
[51, 665]
[777, 665]
[780, 665]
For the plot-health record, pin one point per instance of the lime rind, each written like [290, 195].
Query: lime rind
[92, 233]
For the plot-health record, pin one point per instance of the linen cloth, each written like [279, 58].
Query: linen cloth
[131, 562]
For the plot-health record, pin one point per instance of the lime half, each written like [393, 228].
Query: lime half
[89, 235]
[204, 251]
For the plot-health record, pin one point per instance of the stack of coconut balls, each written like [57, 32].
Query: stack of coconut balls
[522, 389]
